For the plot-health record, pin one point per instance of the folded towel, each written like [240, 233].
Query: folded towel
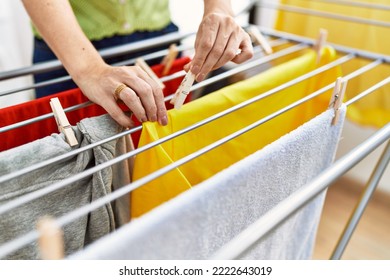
[195, 224]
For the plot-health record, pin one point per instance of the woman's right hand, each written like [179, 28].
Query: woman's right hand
[96, 79]
[142, 95]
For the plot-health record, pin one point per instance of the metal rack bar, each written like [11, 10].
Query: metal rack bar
[68, 218]
[114, 51]
[30, 237]
[204, 83]
[73, 108]
[362, 204]
[154, 55]
[127, 189]
[368, 91]
[295, 9]
[275, 216]
[356, 4]
[340, 48]
[67, 77]
[80, 212]
[15, 203]
[247, 238]
[195, 87]
[106, 53]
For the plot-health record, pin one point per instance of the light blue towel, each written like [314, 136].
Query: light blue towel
[197, 223]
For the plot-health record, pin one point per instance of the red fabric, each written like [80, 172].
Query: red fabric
[41, 106]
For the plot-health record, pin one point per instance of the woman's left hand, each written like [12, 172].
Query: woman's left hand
[219, 40]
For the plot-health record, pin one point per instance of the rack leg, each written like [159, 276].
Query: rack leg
[362, 204]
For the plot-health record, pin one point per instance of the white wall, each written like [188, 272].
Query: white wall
[15, 49]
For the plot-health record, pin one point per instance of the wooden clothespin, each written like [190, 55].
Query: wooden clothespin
[259, 39]
[140, 62]
[169, 58]
[50, 242]
[320, 43]
[337, 98]
[62, 121]
[183, 90]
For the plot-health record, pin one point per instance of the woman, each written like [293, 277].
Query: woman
[72, 29]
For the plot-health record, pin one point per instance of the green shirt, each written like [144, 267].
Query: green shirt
[105, 18]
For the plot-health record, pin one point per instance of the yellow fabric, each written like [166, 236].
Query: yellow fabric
[372, 110]
[166, 187]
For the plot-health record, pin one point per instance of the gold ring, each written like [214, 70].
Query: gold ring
[118, 90]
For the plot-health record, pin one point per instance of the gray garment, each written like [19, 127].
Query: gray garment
[87, 229]
[195, 224]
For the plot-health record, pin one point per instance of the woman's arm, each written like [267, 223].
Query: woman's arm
[218, 39]
[58, 25]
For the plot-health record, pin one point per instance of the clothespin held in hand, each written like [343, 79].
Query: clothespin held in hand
[169, 59]
[144, 66]
[62, 121]
[183, 90]
[50, 242]
[337, 98]
[320, 43]
[259, 39]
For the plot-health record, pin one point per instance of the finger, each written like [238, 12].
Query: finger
[155, 100]
[130, 98]
[144, 92]
[229, 54]
[246, 50]
[158, 96]
[215, 54]
[205, 39]
[116, 113]
[187, 67]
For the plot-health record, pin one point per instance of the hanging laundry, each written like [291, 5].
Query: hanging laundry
[41, 106]
[87, 229]
[170, 88]
[197, 223]
[372, 110]
[203, 167]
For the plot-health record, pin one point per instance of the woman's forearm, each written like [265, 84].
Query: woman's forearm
[99, 81]
[57, 24]
[220, 6]
[219, 39]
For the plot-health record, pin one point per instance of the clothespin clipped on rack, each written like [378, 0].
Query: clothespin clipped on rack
[337, 98]
[259, 39]
[140, 62]
[320, 43]
[50, 242]
[169, 58]
[62, 121]
[183, 90]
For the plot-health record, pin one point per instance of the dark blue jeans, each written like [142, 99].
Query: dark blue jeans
[42, 53]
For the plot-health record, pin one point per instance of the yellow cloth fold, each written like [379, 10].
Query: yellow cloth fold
[183, 178]
[374, 109]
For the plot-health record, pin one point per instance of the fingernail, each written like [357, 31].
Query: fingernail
[153, 118]
[187, 66]
[195, 69]
[200, 77]
[164, 120]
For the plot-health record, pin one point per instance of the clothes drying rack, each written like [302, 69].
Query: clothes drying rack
[277, 215]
